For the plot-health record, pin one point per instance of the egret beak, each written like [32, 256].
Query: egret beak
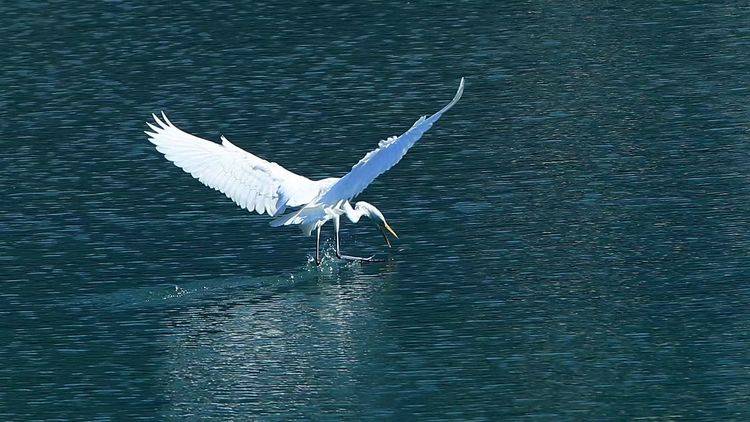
[390, 230]
[383, 229]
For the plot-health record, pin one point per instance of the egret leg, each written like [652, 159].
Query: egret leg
[317, 248]
[336, 223]
[347, 257]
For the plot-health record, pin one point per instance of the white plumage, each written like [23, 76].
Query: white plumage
[251, 182]
[388, 153]
[265, 187]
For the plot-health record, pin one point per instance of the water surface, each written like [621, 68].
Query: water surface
[573, 234]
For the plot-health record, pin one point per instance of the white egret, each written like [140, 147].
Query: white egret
[265, 187]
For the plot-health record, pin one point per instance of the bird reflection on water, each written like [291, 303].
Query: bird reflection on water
[260, 342]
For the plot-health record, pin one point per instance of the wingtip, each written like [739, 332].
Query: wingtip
[154, 128]
[159, 121]
[459, 92]
[166, 119]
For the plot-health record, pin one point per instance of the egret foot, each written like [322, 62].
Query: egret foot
[359, 258]
[339, 255]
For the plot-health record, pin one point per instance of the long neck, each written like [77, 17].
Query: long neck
[351, 213]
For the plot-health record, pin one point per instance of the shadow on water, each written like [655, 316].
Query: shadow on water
[244, 289]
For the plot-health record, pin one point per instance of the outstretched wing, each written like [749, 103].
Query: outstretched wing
[380, 160]
[250, 181]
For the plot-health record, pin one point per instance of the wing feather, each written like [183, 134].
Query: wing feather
[250, 181]
[381, 159]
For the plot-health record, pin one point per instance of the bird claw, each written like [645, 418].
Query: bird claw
[359, 258]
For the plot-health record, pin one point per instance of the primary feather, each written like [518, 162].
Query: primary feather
[388, 153]
[250, 181]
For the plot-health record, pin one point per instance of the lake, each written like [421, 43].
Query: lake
[574, 235]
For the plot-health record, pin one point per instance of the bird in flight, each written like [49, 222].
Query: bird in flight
[265, 187]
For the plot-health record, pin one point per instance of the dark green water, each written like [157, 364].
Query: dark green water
[574, 233]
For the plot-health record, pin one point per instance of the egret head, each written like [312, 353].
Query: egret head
[376, 216]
